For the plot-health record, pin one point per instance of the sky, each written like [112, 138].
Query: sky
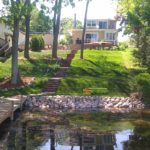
[98, 9]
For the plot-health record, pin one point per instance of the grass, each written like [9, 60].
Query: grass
[40, 67]
[103, 72]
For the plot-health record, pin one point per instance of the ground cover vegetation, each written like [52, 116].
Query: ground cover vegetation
[113, 73]
[40, 66]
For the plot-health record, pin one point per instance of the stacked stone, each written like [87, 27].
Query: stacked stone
[83, 102]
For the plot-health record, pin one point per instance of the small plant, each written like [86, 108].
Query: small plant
[63, 41]
[122, 46]
[37, 43]
[143, 81]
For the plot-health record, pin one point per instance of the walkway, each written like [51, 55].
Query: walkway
[9, 105]
[53, 83]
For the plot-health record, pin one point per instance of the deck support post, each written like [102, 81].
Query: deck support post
[12, 111]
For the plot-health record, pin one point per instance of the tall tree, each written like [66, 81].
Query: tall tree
[27, 24]
[56, 25]
[58, 4]
[68, 23]
[84, 28]
[14, 10]
[137, 23]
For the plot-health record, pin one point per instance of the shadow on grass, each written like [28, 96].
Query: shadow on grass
[41, 69]
[112, 76]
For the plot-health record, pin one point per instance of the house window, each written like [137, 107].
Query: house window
[110, 36]
[90, 37]
[112, 25]
[102, 25]
[91, 23]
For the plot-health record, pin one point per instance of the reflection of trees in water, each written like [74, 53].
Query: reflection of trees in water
[30, 138]
[140, 140]
[23, 137]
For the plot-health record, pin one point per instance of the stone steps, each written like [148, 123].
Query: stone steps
[61, 72]
[53, 83]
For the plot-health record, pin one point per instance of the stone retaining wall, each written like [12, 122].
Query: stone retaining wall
[83, 103]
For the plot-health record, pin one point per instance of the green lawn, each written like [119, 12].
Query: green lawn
[40, 67]
[103, 72]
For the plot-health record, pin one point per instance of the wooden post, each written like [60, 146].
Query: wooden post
[21, 103]
[12, 111]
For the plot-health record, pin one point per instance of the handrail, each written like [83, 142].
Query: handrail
[2, 41]
[4, 47]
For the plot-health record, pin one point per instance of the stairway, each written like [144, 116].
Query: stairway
[53, 83]
[61, 72]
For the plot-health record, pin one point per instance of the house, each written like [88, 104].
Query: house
[97, 30]
[6, 35]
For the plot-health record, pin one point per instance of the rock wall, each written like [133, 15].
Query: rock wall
[84, 103]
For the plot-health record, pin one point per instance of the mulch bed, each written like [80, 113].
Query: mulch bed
[6, 83]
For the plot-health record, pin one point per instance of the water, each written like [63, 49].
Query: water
[89, 131]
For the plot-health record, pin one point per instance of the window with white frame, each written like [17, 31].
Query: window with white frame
[91, 37]
[110, 36]
[91, 23]
[102, 25]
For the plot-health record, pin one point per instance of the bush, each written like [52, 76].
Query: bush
[143, 81]
[122, 46]
[66, 40]
[37, 43]
[63, 41]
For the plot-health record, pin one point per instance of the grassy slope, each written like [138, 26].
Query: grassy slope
[99, 70]
[40, 67]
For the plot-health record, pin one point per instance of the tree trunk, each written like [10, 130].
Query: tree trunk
[27, 22]
[15, 78]
[84, 29]
[56, 26]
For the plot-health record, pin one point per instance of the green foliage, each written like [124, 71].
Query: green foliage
[68, 23]
[143, 81]
[40, 22]
[105, 72]
[63, 41]
[122, 46]
[37, 43]
[66, 40]
[39, 67]
[136, 15]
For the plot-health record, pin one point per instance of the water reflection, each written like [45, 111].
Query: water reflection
[43, 136]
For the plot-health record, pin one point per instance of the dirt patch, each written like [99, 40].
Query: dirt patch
[6, 83]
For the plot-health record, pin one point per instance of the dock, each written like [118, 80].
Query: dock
[9, 105]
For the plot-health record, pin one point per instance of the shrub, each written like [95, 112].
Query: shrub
[66, 40]
[37, 43]
[122, 45]
[63, 41]
[143, 81]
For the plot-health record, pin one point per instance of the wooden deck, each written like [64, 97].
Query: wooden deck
[9, 105]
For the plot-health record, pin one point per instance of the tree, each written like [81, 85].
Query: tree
[27, 24]
[68, 23]
[40, 22]
[15, 77]
[84, 29]
[137, 23]
[56, 22]
[14, 10]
